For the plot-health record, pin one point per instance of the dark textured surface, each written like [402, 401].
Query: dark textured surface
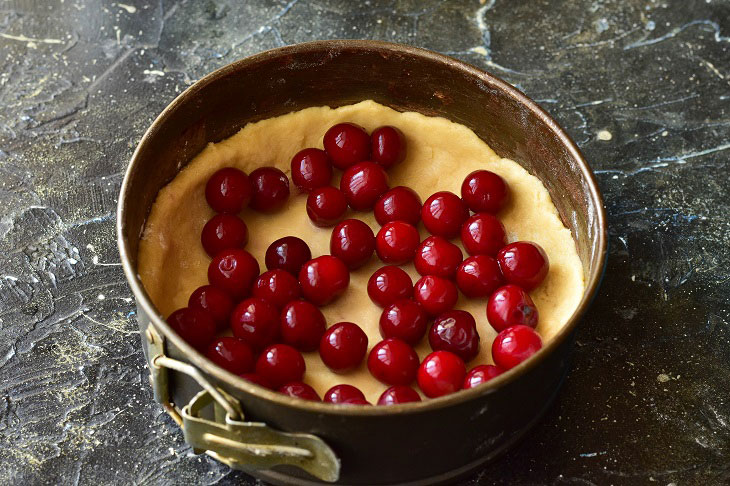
[648, 398]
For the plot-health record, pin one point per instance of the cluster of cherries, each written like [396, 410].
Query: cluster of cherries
[275, 315]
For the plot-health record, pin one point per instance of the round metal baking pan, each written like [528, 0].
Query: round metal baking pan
[421, 443]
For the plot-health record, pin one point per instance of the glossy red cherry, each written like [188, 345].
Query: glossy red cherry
[270, 189]
[397, 242]
[346, 144]
[289, 253]
[280, 364]
[343, 346]
[443, 214]
[297, 389]
[437, 256]
[311, 168]
[388, 146]
[441, 373]
[389, 284]
[510, 306]
[195, 326]
[326, 206]
[406, 320]
[478, 276]
[514, 345]
[353, 242]
[397, 394]
[233, 271]
[480, 374]
[323, 279]
[523, 263]
[484, 191]
[394, 362]
[277, 286]
[356, 401]
[256, 321]
[345, 395]
[231, 354]
[228, 190]
[435, 294]
[302, 325]
[363, 184]
[258, 379]
[398, 204]
[223, 232]
[216, 302]
[483, 234]
[455, 331]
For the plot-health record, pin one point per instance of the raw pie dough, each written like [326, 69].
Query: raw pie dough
[172, 262]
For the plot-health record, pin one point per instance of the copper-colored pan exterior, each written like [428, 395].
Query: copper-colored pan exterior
[423, 442]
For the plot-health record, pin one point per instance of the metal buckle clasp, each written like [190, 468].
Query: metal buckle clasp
[228, 438]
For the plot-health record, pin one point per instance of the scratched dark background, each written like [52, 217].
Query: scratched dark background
[642, 86]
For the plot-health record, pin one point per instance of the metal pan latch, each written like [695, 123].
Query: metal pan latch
[228, 438]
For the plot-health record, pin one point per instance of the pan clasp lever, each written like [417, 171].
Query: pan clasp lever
[225, 435]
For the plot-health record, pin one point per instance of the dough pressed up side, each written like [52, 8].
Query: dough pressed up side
[172, 262]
